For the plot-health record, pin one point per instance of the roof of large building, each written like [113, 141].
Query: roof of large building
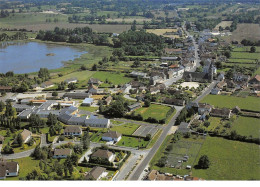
[95, 173]
[220, 111]
[112, 134]
[97, 121]
[88, 100]
[101, 153]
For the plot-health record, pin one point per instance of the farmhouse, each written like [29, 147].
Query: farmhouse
[62, 153]
[72, 131]
[183, 127]
[204, 107]
[173, 101]
[255, 80]
[95, 173]
[103, 154]
[221, 112]
[8, 169]
[47, 84]
[215, 91]
[26, 135]
[93, 81]
[112, 136]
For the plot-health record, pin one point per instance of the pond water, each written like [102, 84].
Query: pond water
[26, 57]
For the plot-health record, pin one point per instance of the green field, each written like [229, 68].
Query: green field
[113, 77]
[257, 72]
[155, 111]
[247, 126]
[245, 55]
[249, 103]
[132, 142]
[230, 160]
[88, 108]
[128, 128]
[80, 75]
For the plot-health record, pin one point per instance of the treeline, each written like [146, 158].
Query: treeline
[16, 36]
[245, 17]
[246, 42]
[138, 43]
[76, 35]
[205, 23]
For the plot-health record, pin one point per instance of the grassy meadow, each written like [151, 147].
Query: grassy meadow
[230, 160]
[249, 103]
[155, 111]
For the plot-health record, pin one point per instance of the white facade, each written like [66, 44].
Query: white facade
[110, 139]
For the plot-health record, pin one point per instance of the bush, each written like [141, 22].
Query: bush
[204, 162]
[55, 94]
[148, 137]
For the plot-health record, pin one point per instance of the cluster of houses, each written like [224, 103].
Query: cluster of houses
[68, 114]
[238, 82]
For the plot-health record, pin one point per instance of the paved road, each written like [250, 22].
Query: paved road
[139, 169]
[129, 98]
[18, 155]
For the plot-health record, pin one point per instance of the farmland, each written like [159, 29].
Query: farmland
[113, 77]
[156, 111]
[245, 31]
[247, 126]
[230, 160]
[249, 103]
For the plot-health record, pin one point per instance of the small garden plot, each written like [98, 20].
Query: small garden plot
[127, 129]
[154, 111]
[145, 130]
[183, 153]
[132, 142]
[190, 84]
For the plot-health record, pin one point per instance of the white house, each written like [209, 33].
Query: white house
[87, 102]
[126, 88]
[71, 80]
[72, 131]
[8, 169]
[112, 136]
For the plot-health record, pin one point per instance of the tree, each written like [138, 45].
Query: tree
[147, 103]
[8, 149]
[19, 139]
[206, 123]
[72, 86]
[44, 74]
[85, 141]
[94, 67]
[55, 94]
[83, 67]
[253, 49]
[51, 120]
[137, 63]
[204, 162]
[2, 106]
[148, 137]
[227, 54]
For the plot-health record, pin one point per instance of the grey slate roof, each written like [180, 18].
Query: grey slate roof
[96, 121]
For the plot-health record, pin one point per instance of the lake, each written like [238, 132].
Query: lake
[26, 57]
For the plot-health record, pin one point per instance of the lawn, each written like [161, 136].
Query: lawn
[214, 122]
[132, 142]
[230, 160]
[88, 108]
[245, 55]
[257, 72]
[128, 128]
[26, 165]
[249, 103]
[247, 126]
[80, 75]
[155, 111]
[113, 77]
